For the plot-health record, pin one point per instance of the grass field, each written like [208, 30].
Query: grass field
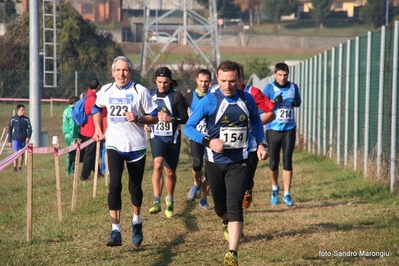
[176, 54]
[271, 58]
[337, 216]
[331, 28]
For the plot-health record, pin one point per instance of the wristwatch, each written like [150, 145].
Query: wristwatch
[172, 119]
[263, 143]
[139, 119]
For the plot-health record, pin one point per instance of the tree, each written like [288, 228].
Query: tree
[225, 8]
[257, 66]
[320, 11]
[10, 10]
[82, 48]
[251, 6]
[373, 13]
[274, 9]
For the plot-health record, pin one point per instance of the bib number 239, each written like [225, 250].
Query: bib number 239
[163, 129]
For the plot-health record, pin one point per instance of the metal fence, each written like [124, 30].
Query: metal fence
[349, 109]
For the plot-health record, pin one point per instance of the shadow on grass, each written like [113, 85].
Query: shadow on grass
[166, 253]
[329, 227]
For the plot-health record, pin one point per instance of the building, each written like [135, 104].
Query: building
[98, 10]
[348, 6]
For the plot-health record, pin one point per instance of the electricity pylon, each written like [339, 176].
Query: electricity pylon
[196, 31]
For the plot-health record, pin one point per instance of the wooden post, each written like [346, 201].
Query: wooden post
[29, 201]
[106, 169]
[57, 180]
[4, 143]
[76, 176]
[98, 156]
[2, 135]
[51, 107]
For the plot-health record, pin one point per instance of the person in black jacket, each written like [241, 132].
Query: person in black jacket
[165, 138]
[19, 133]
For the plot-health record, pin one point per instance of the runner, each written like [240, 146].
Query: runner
[281, 132]
[192, 98]
[165, 138]
[129, 106]
[228, 112]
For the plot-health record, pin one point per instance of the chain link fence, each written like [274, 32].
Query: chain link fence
[349, 109]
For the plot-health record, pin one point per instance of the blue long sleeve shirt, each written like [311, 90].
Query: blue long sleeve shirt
[226, 118]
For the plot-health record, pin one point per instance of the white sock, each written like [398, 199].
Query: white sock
[116, 227]
[286, 192]
[136, 219]
[275, 187]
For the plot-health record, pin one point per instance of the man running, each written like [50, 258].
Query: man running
[192, 98]
[228, 111]
[129, 107]
[165, 138]
[281, 132]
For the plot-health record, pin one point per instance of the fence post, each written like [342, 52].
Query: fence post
[29, 201]
[76, 176]
[57, 177]
[98, 155]
[4, 143]
[51, 107]
[394, 105]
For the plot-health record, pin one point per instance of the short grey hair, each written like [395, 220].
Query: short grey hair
[124, 59]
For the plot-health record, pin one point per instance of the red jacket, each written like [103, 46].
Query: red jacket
[261, 101]
[87, 129]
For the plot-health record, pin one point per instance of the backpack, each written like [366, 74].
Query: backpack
[78, 112]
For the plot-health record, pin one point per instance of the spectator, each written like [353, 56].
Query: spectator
[19, 133]
[87, 131]
[71, 134]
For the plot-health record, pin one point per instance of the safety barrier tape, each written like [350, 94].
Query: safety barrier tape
[42, 150]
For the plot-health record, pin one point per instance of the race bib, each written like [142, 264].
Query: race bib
[201, 127]
[285, 113]
[117, 107]
[234, 137]
[163, 129]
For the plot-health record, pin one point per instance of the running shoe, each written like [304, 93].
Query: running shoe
[192, 194]
[230, 259]
[287, 199]
[225, 230]
[137, 235]
[274, 199]
[156, 207]
[115, 239]
[169, 208]
[247, 200]
[204, 204]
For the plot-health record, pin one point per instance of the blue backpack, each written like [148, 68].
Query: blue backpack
[78, 112]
